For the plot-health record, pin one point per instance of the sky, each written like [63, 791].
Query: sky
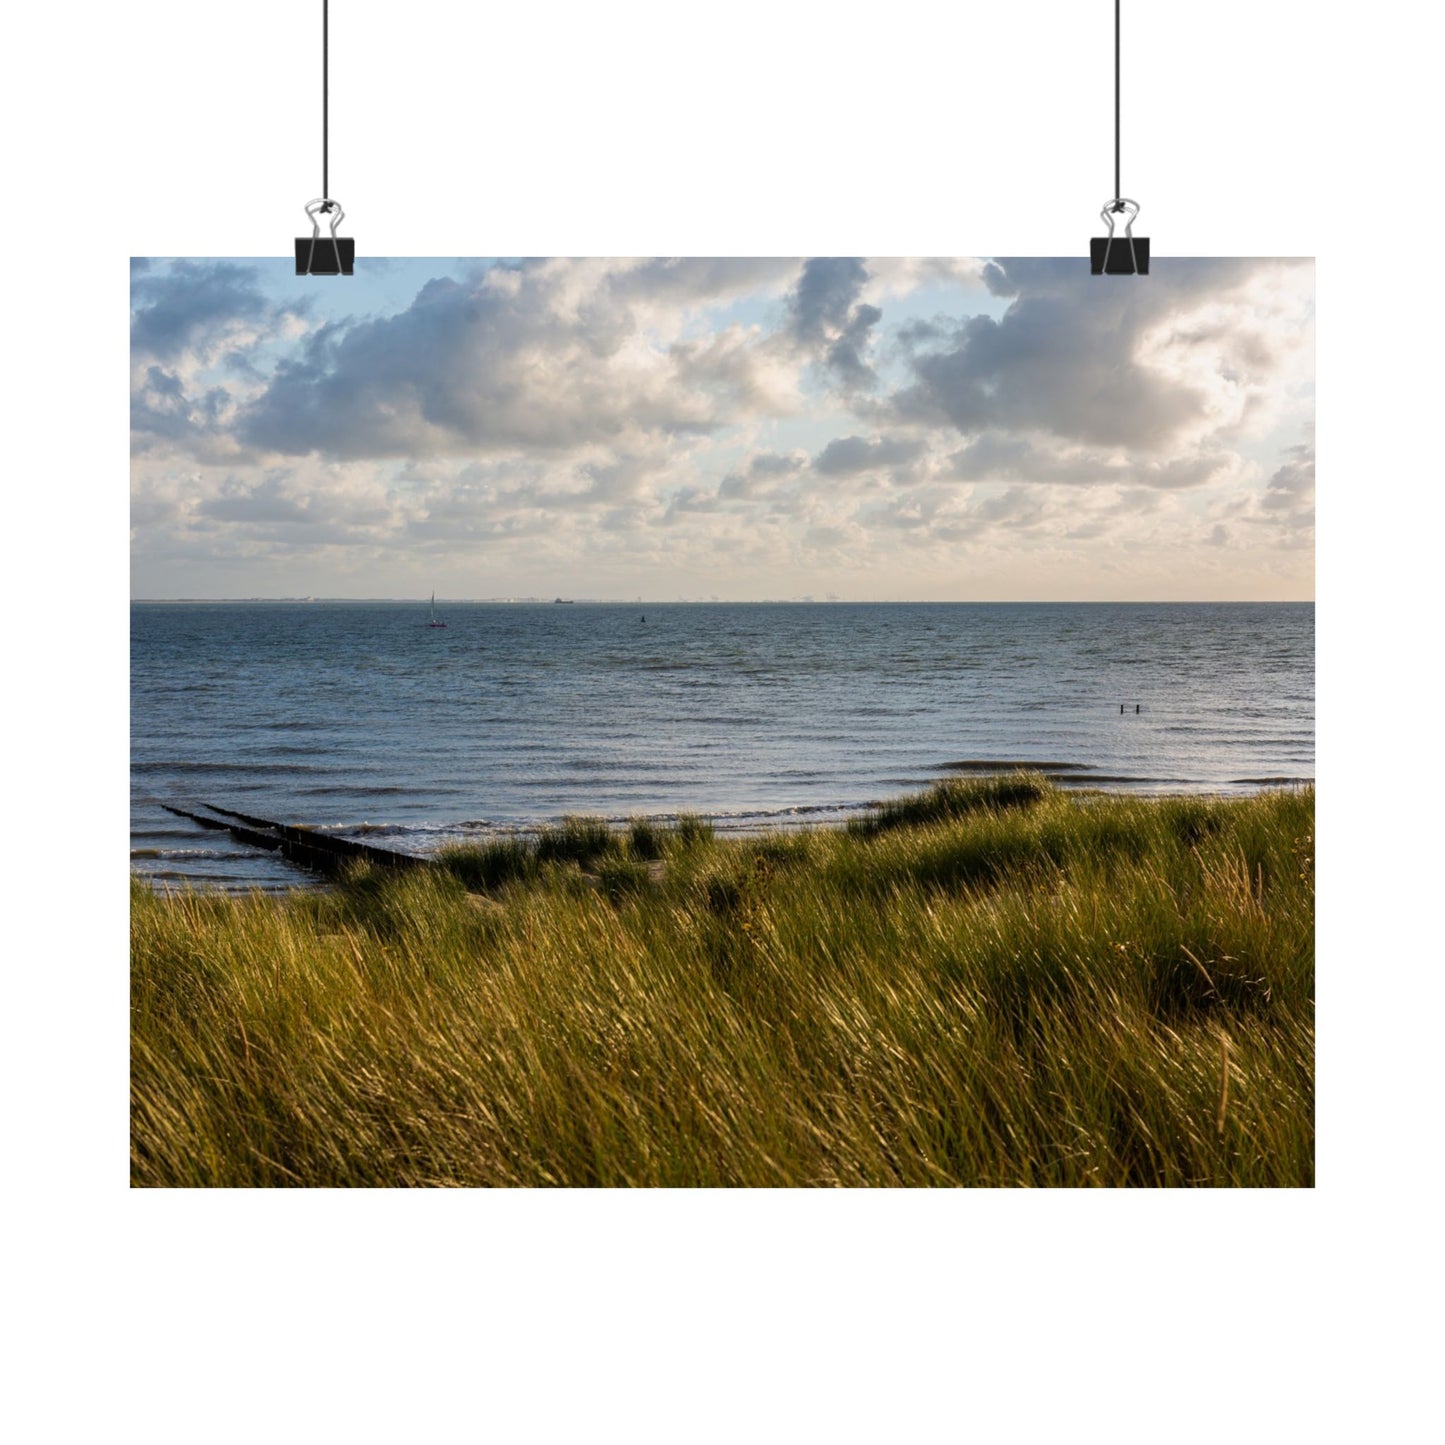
[732, 429]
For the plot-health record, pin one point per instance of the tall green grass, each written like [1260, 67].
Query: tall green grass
[992, 987]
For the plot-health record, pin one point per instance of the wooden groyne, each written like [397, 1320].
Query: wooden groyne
[308, 847]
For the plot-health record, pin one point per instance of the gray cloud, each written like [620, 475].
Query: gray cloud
[186, 319]
[690, 500]
[824, 297]
[760, 477]
[847, 456]
[1065, 358]
[1292, 488]
[1285, 511]
[164, 414]
[1000, 457]
[694, 280]
[191, 302]
[826, 320]
[280, 500]
[1018, 507]
[537, 356]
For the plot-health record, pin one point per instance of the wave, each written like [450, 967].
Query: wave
[371, 790]
[1136, 780]
[179, 766]
[1269, 782]
[180, 853]
[993, 765]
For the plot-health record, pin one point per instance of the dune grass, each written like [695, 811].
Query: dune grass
[997, 984]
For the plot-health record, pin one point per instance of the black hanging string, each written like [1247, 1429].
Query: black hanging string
[326, 104]
[1131, 256]
[1118, 188]
[336, 255]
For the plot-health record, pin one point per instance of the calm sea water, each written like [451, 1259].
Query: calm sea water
[356, 716]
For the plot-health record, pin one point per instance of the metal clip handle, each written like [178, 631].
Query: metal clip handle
[1130, 211]
[324, 206]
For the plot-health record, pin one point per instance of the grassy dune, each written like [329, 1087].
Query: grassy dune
[994, 983]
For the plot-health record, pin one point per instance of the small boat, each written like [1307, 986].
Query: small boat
[434, 622]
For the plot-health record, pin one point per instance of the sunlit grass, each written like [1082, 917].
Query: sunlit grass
[1000, 984]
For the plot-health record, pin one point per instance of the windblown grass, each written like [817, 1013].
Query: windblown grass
[994, 987]
[954, 798]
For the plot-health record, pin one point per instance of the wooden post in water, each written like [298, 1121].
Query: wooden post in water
[321, 852]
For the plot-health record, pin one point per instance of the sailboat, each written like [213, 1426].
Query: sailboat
[434, 622]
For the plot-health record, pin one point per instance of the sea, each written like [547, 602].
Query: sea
[360, 718]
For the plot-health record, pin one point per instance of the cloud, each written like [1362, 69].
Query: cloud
[743, 373]
[1145, 367]
[167, 416]
[1291, 490]
[548, 356]
[827, 323]
[824, 297]
[1001, 457]
[1282, 515]
[691, 281]
[196, 306]
[1123, 390]
[847, 456]
[282, 497]
[762, 476]
[893, 277]
[196, 328]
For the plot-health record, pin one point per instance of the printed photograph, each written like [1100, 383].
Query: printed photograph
[722, 723]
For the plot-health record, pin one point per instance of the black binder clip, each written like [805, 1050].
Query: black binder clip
[333, 256]
[1127, 257]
